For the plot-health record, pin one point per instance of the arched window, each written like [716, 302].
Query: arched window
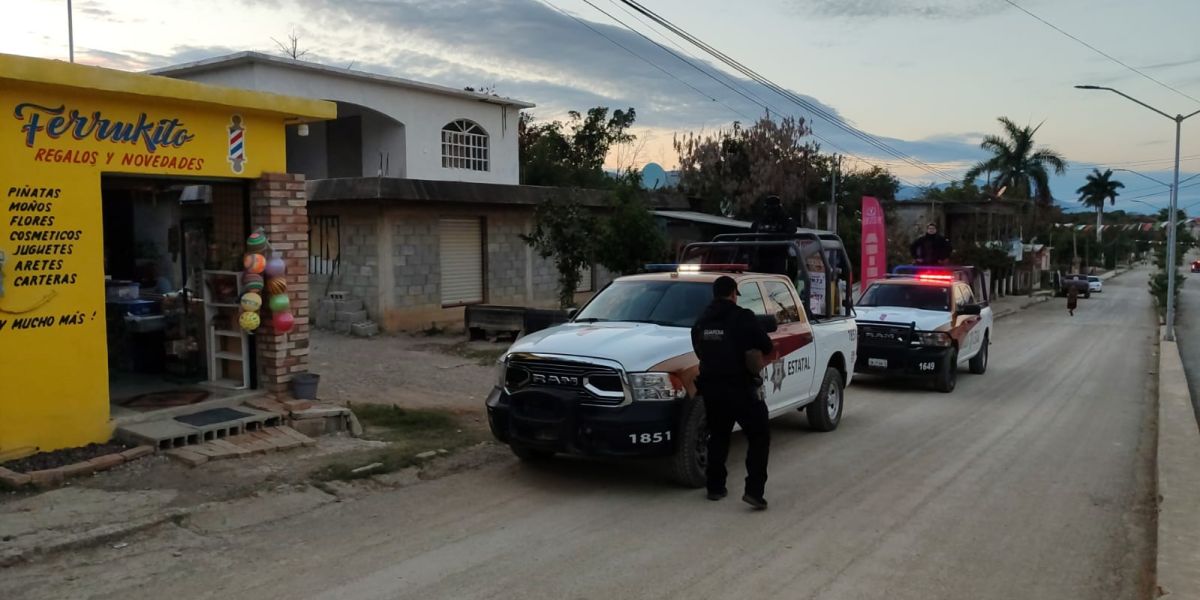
[464, 146]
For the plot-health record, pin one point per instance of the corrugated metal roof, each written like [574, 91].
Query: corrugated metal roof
[697, 217]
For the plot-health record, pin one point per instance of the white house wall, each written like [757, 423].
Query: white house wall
[422, 113]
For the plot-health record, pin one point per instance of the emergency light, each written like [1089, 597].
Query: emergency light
[697, 268]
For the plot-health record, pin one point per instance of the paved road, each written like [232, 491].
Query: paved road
[1031, 481]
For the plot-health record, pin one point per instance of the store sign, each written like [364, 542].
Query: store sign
[874, 242]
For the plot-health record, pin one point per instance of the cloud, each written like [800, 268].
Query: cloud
[875, 9]
[1173, 64]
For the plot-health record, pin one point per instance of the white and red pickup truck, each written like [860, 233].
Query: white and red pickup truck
[618, 380]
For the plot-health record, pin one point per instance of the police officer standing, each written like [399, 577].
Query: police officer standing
[731, 347]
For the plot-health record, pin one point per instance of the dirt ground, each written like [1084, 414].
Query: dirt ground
[408, 371]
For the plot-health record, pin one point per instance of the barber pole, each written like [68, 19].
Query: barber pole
[237, 144]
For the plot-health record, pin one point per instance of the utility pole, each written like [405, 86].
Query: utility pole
[70, 31]
[1172, 220]
[831, 218]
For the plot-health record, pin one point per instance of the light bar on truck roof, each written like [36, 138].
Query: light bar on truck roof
[697, 268]
[935, 277]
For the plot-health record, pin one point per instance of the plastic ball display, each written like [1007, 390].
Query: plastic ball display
[251, 302]
[249, 321]
[252, 282]
[257, 242]
[275, 267]
[276, 286]
[279, 303]
[283, 322]
[255, 263]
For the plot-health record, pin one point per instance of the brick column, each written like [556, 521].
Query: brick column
[278, 205]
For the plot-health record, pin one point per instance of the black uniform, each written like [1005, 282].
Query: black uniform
[930, 249]
[721, 338]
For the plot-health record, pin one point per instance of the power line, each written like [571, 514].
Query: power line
[1132, 163]
[1099, 51]
[744, 70]
[730, 83]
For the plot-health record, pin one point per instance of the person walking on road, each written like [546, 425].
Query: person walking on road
[731, 347]
[1072, 299]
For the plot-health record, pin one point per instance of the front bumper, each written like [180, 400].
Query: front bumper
[913, 361]
[555, 421]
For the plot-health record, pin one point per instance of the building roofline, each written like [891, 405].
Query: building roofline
[217, 63]
[63, 74]
[391, 190]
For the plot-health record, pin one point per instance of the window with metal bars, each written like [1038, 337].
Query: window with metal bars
[324, 245]
[464, 146]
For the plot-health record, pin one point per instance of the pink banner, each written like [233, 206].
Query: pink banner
[874, 242]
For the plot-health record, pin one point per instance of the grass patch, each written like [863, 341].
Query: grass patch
[409, 432]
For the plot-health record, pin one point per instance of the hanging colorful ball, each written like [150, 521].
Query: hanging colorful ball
[276, 286]
[275, 267]
[283, 322]
[252, 282]
[251, 302]
[255, 263]
[279, 303]
[257, 242]
[249, 321]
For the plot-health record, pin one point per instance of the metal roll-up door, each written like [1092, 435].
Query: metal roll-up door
[461, 261]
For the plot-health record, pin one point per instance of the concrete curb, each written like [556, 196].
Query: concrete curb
[1178, 568]
[91, 537]
[1032, 301]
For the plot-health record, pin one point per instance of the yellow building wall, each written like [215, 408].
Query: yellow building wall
[55, 143]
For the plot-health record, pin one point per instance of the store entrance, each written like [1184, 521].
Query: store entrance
[172, 255]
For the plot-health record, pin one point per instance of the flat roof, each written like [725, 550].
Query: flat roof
[85, 77]
[218, 63]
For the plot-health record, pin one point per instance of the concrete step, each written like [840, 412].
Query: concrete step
[271, 439]
[167, 433]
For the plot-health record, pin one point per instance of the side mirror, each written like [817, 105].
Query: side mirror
[571, 312]
[768, 323]
[970, 309]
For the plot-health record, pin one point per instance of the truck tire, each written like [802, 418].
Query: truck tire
[948, 377]
[979, 362]
[527, 454]
[825, 411]
[689, 465]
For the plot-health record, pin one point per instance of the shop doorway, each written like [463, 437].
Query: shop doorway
[172, 256]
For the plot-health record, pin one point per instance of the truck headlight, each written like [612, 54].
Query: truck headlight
[501, 372]
[656, 386]
[939, 339]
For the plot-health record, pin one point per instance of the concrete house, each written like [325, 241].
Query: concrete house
[414, 202]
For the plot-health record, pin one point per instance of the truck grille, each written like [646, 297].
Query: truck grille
[884, 335]
[591, 384]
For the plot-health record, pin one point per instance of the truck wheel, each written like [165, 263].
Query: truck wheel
[689, 465]
[825, 412]
[979, 362]
[948, 378]
[527, 454]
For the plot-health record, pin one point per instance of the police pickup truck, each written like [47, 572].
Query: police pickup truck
[924, 322]
[618, 380]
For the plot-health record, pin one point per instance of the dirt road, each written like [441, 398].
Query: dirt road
[1031, 481]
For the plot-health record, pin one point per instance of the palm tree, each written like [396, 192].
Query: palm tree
[1017, 164]
[1099, 187]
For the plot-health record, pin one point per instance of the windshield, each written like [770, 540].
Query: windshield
[1093, 279]
[669, 303]
[923, 297]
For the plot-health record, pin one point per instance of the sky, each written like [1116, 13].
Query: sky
[927, 78]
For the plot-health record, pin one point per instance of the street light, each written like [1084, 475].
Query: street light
[1178, 119]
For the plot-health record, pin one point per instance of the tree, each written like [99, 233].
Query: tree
[572, 154]
[628, 236]
[564, 231]
[1017, 164]
[291, 47]
[734, 169]
[1099, 187]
